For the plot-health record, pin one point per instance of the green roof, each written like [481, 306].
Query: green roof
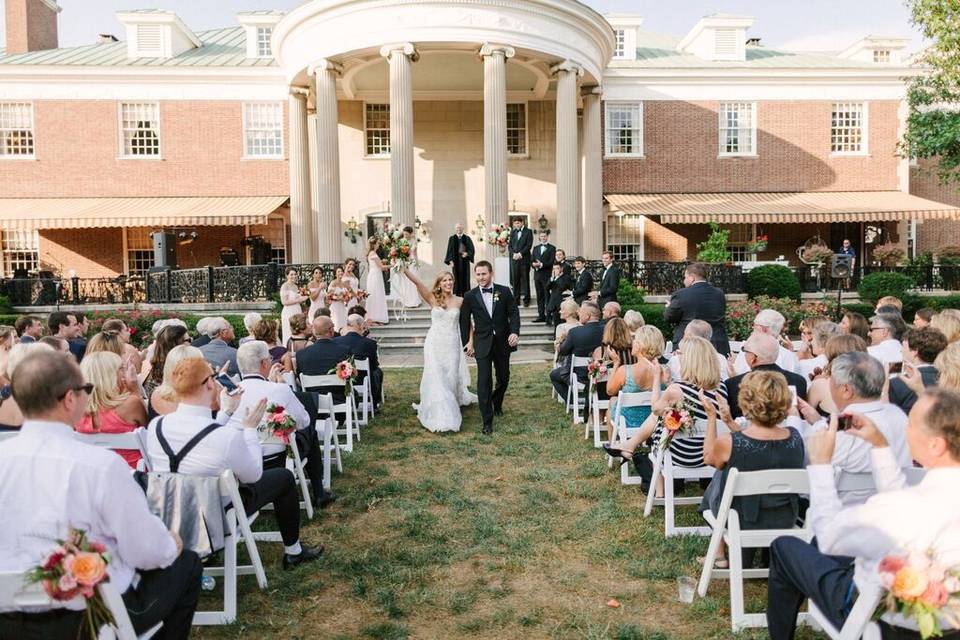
[219, 48]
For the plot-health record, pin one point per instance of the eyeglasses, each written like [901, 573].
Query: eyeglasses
[86, 388]
[878, 328]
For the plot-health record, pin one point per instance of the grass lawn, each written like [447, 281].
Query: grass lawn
[525, 534]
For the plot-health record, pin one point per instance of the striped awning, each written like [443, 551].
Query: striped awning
[785, 208]
[87, 213]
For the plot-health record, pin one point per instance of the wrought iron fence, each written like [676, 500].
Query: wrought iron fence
[36, 292]
[249, 283]
[926, 277]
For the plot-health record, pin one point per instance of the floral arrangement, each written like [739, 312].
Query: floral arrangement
[597, 370]
[818, 253]
[920, 588]
[675, 420]
[277, 422]
[889, 253]
[346, 371]
[361, 295]
[759, 244]
[74, 568]
[339, 294]
[396, 247]
[740, 313]
[499, 236]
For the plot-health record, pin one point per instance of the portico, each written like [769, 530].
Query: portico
[482, 103]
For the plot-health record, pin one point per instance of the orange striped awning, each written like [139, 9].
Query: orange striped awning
[789, 208]
[86, 213]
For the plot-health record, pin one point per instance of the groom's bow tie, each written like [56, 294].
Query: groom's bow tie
[490, 290]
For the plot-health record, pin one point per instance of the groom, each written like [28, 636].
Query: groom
[496, 333]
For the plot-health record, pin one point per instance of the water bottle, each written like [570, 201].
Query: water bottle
[207, 583]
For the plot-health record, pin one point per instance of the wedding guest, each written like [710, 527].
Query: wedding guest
[291, 299]
[219, 351]
[157, 327]
[234, 447]
[582, 280]
[807, 326]
[611, 310]
[78, 344]
[561, 259]
[64, 325]
[617, 340]
[771, 323]
[250, 320]
[696, 329]
[640, 375]
[30, 328]
[818, 391]
[851, 542]
[822, 332]
[634, 320]
[855, 323]
[699, 300]
[948, 323]
[266, 331]
[87, 488]
[460, 253]
[560, 284]
[55, 343]
[11, 418]
[948, 367]
[323, 355]
[761, 351]
[114, 336]
[168, 338]
[164, 399]
[570, 313]
[922, 317]
[886, 331]
[201, 328]
[114, 404]
[889, 301]
[520, 244]
[544, 255]
[920, 350]
[8, 338]
[363, 348]
[298, 340]
[338, 308]
[581, 342]
[350, 278]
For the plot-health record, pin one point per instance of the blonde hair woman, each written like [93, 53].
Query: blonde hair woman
[948, 365]
[115, 405]
[164, 399]
[570, 314]
[948, 323]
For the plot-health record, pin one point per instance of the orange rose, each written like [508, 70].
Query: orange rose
[672, 421]
[88, 568]
[909, 584]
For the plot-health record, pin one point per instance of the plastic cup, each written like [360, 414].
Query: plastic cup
[687, 587]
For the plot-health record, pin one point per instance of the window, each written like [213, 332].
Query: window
[740, 236]
[881, 55]
[263, 129]
[848, 128]
[16, 130]
[725, 42]
[274, 232]
[620, 44]
[376, 125]
[624, 236]
[624, 124]
[139, 251]
[140, 129]
[738, 129]
[517, 129]
[149, 40]
[21, 251]
[263, 42]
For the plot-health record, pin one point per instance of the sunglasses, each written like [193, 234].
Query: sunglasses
[86, 388]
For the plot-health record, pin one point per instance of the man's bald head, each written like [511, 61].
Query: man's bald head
[698, 329]
[764, 347]
[323, 327]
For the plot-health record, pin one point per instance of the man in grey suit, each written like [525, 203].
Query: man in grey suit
[218, 351]
[699, 300]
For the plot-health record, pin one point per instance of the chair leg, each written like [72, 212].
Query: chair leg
[669, 516]
[326, 437]
[735, 558]
[304, 487]
[230, 579]
[652, 492]
[715, 539]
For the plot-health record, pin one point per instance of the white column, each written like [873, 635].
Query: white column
[327, 172]
[567, 159]
[591, 220]
[301, 229]
[402, 196]
[495, 131]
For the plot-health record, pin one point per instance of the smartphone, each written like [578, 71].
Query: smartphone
[844, 422]
[793, 395]
[896, 367]
[227, 383]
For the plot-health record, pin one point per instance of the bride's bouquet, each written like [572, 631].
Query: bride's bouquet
[397, 247]
[499, 236]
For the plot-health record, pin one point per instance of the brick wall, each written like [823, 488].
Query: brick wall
[92, 253]
[793, 144]
[934, 234]
[30, 26]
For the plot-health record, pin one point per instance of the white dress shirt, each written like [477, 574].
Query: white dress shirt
[806, 367]
[887, 351]
[256, 388]
[50, 482]
[674, 366]
[228, 447]
[898, 518]
[488, 298]
[786, 360]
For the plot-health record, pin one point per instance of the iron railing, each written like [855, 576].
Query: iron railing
[36, 292]
[249, 283]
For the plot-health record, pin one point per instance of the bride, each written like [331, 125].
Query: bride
[443, 388]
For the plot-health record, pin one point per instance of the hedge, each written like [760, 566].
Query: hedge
[775, 280]
[884, 283]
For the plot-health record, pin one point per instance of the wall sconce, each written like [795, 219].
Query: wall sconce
[353, 231]
[543, 222]
[421, 228]
[479, 227]
[186, 237]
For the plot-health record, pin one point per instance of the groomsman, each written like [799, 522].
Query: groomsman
[460, 253]
[543, 258]
[521, 242]
[561, 259]
[610, 282]
[583, 280]
[560, 282]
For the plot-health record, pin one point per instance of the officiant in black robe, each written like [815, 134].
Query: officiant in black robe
[460, 253]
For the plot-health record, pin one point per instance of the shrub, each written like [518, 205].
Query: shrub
[5, 306]
[884, 283]
[740, 314]
[866, 310]
[773, 280]
[889, 254]
[628, 295]
[714, 248]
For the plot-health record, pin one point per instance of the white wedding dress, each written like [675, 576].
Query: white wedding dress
[443, 388]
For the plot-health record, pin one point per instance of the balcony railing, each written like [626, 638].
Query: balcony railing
[37, 292]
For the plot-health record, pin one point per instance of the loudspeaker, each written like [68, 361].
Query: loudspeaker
[164, 249]
[842, 266]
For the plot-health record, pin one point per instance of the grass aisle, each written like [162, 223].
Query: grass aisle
[523, 535]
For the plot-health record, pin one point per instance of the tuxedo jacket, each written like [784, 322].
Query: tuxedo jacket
[609, 285]
[360, 347]
[453, 248]
[566, 266]
[487, 329]
[521, 242]
[582, 286]
[581, 341]
[699, 301]
[547, 255]
[556, 289]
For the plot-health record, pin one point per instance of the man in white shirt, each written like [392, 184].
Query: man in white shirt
[50, 483]
[856, 385]
[699, 329]
[886, 329]
[851, 542]
[771, 323]
[262, 380]
[234, 446]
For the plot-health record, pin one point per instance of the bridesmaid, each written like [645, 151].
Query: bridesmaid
[409, 295]
[376, 292]
[338, 309]
[315, 291]
[290, 298]
[351, 280]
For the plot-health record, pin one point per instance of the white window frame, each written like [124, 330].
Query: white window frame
[619, 44]
[248, 129]
[261, 51]
[15, 243]
[131, 245]
[882, 56]
[607, 106]
[864, 128]
[15, 104]
[123, 155]
[366, 154]
[526, 133]
[722, 128]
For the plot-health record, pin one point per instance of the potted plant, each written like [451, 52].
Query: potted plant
[889, 254]
[817, 254]
[759, 245]
[714, 249]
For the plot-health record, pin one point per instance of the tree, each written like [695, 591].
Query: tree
[714, 248]
[933, 125]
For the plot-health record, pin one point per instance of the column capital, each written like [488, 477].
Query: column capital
[567, 65]
[490, 49]
[591, 91]
[325, 64]
[299, 92]
[404, 48]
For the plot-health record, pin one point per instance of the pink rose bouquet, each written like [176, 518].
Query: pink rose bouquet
[597, 370]
[346, 371]
[677, 419]
[920, 588]
[279, 422]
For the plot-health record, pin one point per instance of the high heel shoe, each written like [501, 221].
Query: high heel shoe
[623, 456]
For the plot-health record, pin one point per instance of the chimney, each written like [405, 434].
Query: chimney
[31, 25]
[753, 42]
[107, 38]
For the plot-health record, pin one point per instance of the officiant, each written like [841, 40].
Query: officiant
[460, 253]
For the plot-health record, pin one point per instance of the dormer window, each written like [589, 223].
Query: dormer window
[156, 34]
[149, 40]
[263, 42]
[725, 42]
[620, 43]
[881, 56]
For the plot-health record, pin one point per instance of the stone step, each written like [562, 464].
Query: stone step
[397, 329]
[417, 348]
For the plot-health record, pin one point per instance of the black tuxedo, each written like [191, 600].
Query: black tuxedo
[699, 301]
[582, 286]
[556, 288]
[545, 254]
[581, 342]
[490, 334]
[521, 241]
[566, 266]
[364, 349]
[903, 396]
[609, 285]
[320, 358]
[733, 385]
[459, 265]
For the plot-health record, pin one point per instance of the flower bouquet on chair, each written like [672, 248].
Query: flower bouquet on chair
[676, 421]
[346, 371]
[74, 569]
[920, 589]
[499, 236]
[597, 371]
[277, 422]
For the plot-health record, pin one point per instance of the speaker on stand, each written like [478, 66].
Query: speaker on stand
[841, 270]
[164, 249]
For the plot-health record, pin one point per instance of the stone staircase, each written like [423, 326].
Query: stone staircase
[406, 337]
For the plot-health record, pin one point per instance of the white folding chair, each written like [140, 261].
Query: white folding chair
[347, 408]
[725, 526]
[6, 435]
[858, 623]
[596, 405]
[366, 391]
[624, 433]
[576, 390]
[296, 462]
[553, 392]
[326, 431]
[135, 439]
[237, 529]
[17, 594]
